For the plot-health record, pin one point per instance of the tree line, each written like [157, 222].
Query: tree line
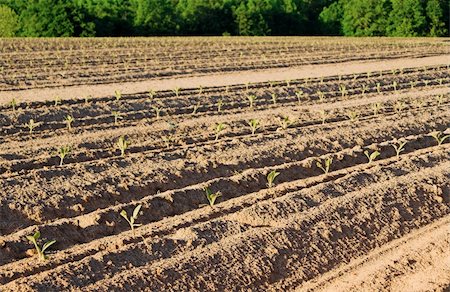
[54, 18]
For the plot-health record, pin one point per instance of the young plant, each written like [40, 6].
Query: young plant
[118, 95]
[176, 90]
[133, 217]
[324, 115]
[13, 104]
[57, 100]
[219, 128]
[439, 138]
[157, 111]
[299, 95]
[251, 98]
[62, 153]
[212, 197]
[321, 95]
[343, 90]
[399, 106]
[378, 87]
[40, 250]
[363, 89]
[69, 120]
[394, 85]
[352, 116]
[122, 145]
[219, 105]
[196, 107]
[376, 107]
[440, 99]
[399, 147]
[254, 125]
[117, 116]
[285, 123]
[372, 156]
[31, 125]
[326, 164]
[271, 177]
[274, 98]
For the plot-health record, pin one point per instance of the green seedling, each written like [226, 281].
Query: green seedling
[363, 89]
[352, 116]
[57, 100]
[158, 111]
[288, 82]
[13, 104]
[252, 99]
[122, 145]
[372, 156]
[219, 105]
[376, 107]
[196, 107]
[326, 164]
[31, 125]
[254, 125]
[412, 84]
[271, 177]
[399, 147]
[285, 123]
[399, 106]
[40, 250]
[176, 90]
[62, 153]
[219, 128]
[418, 103]
[378, 87]
[440, 99]
[343, 90]
[200, 90]
[117, 116]
[321, 95]
[69, 120]
[212, 197]
[118, 95]
[274, 98]
[87, 99]
[394, 85]
[132, 219]
[324, 115]
[438, 136]
[151, 95]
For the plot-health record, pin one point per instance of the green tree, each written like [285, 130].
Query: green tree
[250, 17]
[9, 22]
[330, 19]
[365, 17]
[406, 18]
[435, 15]
[155, 17]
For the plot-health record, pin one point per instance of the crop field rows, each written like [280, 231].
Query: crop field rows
[26, 65]
[277, 185]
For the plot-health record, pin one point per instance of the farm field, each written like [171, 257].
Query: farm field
[328, 160]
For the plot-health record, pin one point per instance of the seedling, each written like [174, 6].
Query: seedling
[299, 95]
[57, 100]
[200, 90]
[378, 87]
[32, 125]
[376, 107]
[324, 115]
[40, 251]
[352, 115]
[285, 123]
[399, 106]
[117, 117]
[274, 98]
[439, 138]
[122, 145]
[372, 156]
[271, 177]
[321, 95]
[412, 83]
[62, 153]
[87, 99]
[219, 105]
[69, 120]
[118, 95]
[343, 90]
[212, 197]
[157, 111]
[196, 107]
[394, 85]
[288, 82]
[440, 99]
[151, 94]
[251, 98]
[219, 128]
[133, 217]
[254, 125]
[399, 147]
[326, 164]
[176, 90]
[363, 89]
[13, 104]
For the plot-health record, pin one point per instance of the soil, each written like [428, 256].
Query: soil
[380, 225]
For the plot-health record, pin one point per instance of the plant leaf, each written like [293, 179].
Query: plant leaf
[136, 210]
[47, 245]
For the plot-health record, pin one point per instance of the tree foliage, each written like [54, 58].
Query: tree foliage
[43, 18]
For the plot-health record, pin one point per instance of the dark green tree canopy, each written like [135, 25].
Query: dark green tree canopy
[45, 18]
